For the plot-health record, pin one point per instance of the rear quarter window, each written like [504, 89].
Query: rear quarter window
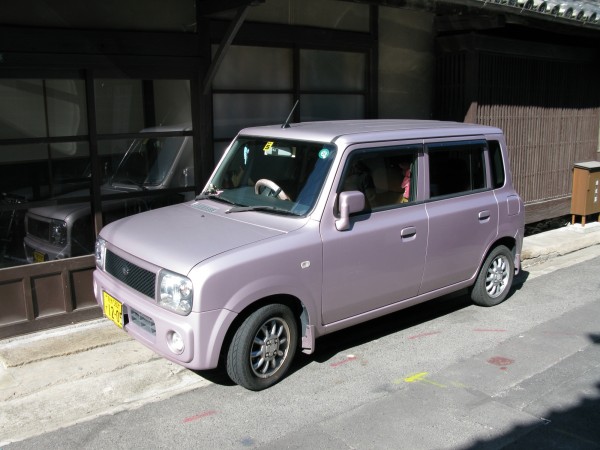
[497, 164]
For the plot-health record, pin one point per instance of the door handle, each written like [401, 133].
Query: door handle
[484, 216]
[408, 233]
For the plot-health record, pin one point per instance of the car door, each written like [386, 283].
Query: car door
[380, 259]
[462, 210]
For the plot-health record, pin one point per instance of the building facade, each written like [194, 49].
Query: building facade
[111, 108]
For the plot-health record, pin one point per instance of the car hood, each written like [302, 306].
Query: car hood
[73, 211]
[181, 236]
[65, 211]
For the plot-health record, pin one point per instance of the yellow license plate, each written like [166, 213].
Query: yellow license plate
[39, 256]
[113, 309]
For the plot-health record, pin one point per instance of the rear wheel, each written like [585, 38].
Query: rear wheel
[263, 347]
[495, 278]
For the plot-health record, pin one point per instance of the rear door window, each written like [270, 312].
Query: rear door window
[456, 168]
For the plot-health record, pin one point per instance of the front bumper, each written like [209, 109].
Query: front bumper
[38, 250]
[202, 333]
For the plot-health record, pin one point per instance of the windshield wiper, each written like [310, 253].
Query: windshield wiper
[271, 209]
[211, 196]
[125, 179]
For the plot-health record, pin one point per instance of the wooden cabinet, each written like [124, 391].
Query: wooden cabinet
[586, 190]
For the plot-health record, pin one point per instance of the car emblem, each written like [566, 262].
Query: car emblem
[125, 270]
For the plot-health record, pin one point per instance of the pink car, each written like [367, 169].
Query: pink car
[304, 230]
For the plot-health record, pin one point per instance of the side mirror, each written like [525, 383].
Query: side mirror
[187, 176]
[349, 203]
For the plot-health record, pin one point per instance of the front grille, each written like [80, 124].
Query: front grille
[38, 228]
[135, 277]
[142, 321]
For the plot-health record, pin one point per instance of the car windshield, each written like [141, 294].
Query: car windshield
[270, 175]
[148, 161]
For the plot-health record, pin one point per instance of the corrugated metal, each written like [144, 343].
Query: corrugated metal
[585, 12]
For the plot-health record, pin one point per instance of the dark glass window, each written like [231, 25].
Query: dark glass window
[498, 176]
[456, 168]
[143, 147]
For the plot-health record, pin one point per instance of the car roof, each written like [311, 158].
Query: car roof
[369, 130]
[168, 128]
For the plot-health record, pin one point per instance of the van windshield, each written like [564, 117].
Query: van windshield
[272, 175]
[147, 161]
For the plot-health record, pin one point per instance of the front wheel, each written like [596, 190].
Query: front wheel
[263, 347]
[495, 278]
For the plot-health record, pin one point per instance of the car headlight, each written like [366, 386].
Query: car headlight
[100, 253]
[58, 232]
[175, 293]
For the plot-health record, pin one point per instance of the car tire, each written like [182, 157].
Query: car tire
[495, 278]
[263, 347]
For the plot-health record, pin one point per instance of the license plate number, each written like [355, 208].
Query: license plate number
[113, 309]
[39, 256]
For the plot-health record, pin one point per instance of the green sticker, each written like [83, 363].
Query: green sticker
[323, 154]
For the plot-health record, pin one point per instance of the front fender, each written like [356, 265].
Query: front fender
[286, 265]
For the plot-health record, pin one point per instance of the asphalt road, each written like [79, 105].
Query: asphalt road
[445, 374]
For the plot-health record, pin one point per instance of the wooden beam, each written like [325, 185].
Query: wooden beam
[230, 34]
[471, 22]
[209, 7]
[94, 42]
[515, 47]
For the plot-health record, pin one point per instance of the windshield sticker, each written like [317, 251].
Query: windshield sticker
[246, 153]
[268, 146]
[323, 154]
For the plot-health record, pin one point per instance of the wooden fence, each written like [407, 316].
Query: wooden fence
[545, 98]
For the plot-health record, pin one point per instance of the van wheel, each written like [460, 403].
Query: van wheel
[263, 347]
[495, 278]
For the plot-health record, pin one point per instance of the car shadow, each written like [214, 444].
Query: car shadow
[518, 282]
[332, 344]
[340, 341]
[217, 376]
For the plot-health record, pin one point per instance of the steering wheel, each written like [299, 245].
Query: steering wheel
[277, 191]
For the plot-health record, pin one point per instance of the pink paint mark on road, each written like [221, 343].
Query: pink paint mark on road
[489, 330]
[343, 361]
[199, 416]
[500, 361]
[418, 336]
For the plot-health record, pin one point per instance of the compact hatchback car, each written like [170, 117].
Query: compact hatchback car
[306, 229]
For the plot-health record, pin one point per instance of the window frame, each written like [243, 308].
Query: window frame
[296, 90]
[93, 195]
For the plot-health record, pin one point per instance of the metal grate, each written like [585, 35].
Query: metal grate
[133, 276]
[143, 321]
